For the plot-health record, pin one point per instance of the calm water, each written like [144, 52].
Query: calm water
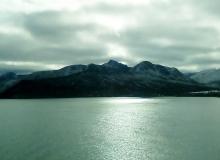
[110, 129]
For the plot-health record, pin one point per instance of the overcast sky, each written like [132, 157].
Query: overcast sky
[49, 34]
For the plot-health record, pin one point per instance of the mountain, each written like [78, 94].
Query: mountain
[209, 77]
[150, 70]
[109, 79]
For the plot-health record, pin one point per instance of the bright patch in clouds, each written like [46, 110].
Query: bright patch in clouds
[31, 65]
[117, 51]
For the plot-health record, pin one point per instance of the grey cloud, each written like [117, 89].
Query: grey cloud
[163, 33]
[209, 7]
[55, 25]
[31, 50]
[50, 38]
[185, 42]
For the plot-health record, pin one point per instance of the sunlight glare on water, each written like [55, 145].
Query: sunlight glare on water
[126, 100]
[123, 127]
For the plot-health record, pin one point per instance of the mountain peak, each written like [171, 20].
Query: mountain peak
[144, 66]
[114, 64]
[115, 67]
[145, 63]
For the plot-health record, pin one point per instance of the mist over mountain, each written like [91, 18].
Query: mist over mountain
[209, 77]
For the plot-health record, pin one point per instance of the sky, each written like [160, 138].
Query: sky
[50, 34]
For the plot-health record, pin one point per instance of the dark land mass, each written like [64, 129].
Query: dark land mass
[111, 79]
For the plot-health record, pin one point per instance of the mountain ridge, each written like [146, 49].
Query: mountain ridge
[108, 79]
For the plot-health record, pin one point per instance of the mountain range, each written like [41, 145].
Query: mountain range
[111, 79]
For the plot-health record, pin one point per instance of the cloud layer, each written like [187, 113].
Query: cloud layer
[47, 34]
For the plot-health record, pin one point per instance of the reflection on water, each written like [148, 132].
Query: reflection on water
[123, 128]
[110, 128]
[126, 100]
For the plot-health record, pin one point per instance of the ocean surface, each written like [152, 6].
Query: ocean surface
[110, 129]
